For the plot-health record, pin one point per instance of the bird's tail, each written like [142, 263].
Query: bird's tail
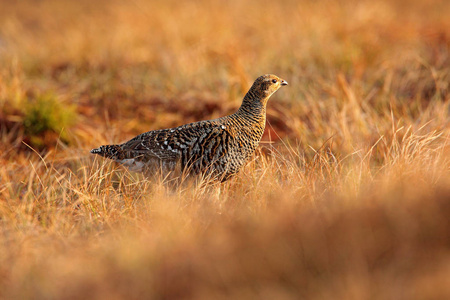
[108, 151]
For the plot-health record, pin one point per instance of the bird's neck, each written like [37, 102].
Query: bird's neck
[251, 117]
[253, 105]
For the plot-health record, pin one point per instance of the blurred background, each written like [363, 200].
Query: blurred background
[347, 199]
[141, 65]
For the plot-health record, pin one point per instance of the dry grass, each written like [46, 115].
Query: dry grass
[349, 200]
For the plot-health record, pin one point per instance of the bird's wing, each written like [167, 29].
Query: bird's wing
[152, 144]
[167, 144]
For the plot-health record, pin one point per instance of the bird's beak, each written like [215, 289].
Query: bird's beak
[284, 82]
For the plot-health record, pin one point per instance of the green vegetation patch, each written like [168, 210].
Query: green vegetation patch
[46, 114]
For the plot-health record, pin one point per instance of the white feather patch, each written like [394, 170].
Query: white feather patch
[132, 164]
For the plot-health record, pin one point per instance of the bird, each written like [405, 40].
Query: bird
[216, 149]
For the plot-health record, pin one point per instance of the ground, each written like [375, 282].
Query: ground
[347, 197]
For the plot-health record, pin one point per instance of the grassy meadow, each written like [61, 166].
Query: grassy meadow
[348, 196]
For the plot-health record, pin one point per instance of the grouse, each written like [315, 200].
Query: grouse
[216, 148]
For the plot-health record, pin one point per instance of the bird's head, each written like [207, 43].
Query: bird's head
[268, 84]
[263, 87]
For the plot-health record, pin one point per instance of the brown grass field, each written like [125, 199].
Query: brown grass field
[347, 198]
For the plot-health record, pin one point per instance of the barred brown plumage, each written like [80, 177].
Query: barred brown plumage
[217, 148]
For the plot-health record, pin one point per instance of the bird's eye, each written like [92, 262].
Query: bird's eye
[274, 80]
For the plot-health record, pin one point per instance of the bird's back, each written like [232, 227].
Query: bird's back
[217, 148]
